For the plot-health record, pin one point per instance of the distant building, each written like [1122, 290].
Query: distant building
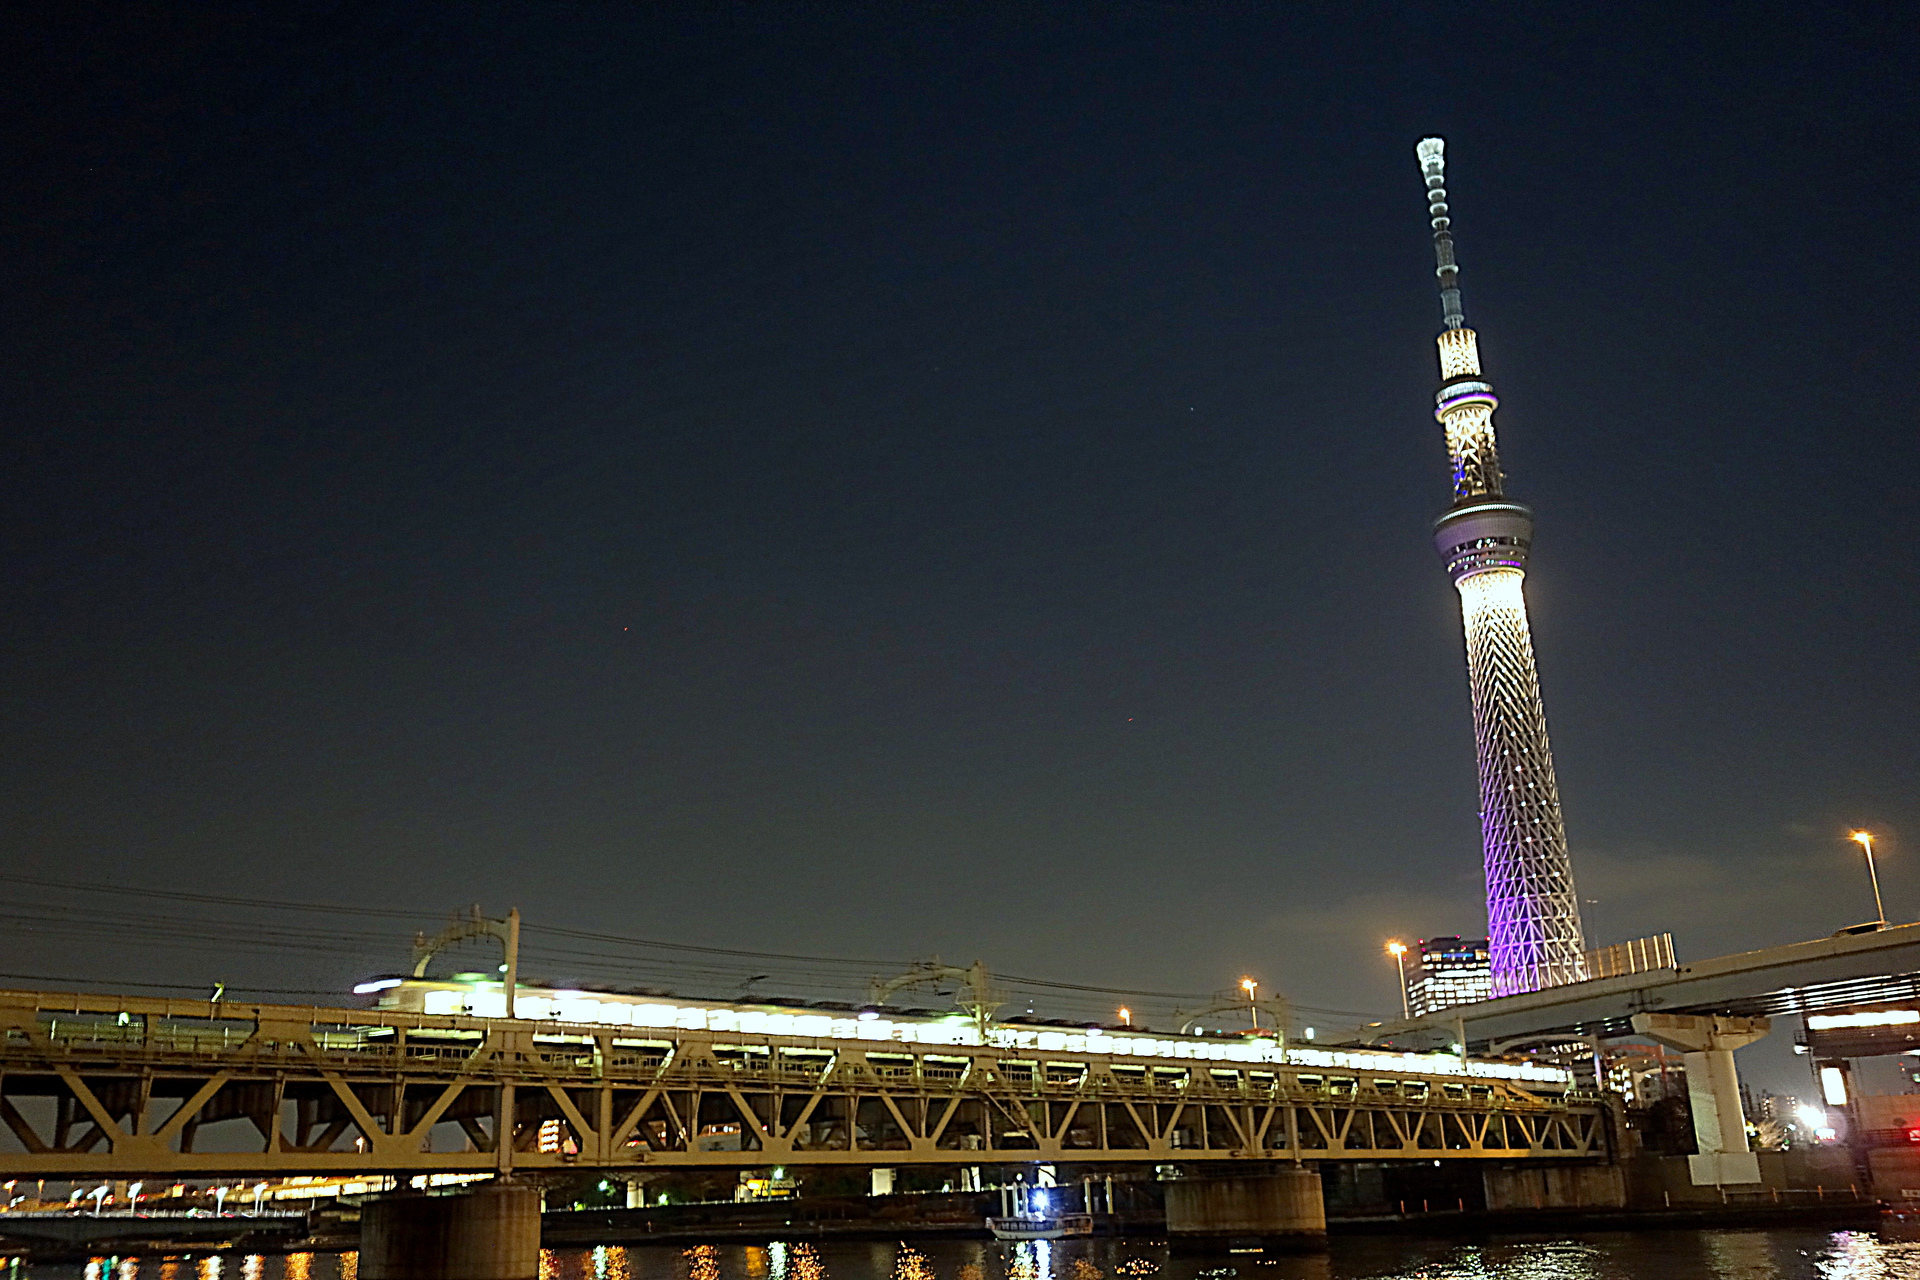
[1449, 971]
[1646, 1074]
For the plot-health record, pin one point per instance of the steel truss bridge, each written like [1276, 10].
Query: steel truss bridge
[108, 1086]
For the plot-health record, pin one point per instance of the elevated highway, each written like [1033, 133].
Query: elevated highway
[109, 1086]
[1707, 1009]
[1801, 977]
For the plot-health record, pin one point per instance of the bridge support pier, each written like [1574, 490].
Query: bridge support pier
[491, 1233]
[1713, 1089]
[1281, 1209]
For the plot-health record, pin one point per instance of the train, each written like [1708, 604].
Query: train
[649, 1015]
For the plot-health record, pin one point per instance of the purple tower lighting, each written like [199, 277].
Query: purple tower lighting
[1533, 916]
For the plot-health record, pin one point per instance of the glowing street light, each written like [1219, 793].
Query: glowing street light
[1126, 1015]
[1247, 985]
[1865, 840]
[1398, 950]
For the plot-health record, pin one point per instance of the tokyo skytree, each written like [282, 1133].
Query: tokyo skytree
[1533, 916]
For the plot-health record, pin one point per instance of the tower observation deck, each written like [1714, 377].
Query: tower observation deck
[1533, 915]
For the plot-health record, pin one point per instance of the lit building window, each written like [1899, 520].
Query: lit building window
[1449, 971]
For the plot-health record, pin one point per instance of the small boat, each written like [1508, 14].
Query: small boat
[1059, 1226]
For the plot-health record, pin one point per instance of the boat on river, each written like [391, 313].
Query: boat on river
[1059, 1226]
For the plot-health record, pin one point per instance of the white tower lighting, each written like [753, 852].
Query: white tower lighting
[1533, 916]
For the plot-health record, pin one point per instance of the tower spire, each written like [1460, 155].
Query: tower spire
[1533, 915]
[1433, 167]
[1467, 402]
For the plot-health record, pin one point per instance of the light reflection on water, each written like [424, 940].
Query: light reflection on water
[1648, 1255]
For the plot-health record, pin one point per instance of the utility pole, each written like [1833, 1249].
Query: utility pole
[513, 957]
[1398, 950]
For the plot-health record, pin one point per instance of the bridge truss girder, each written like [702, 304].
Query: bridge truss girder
[113, 1101]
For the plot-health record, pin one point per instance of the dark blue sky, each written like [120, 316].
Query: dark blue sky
[877, 480]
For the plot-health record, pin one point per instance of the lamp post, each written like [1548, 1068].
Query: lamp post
[1398, 950]
[1247, 985]
[1126, 1015]
[1865, 840]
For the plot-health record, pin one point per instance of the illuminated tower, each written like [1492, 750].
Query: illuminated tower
[1533, 917]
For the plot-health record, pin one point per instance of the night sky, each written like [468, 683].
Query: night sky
[876, 481]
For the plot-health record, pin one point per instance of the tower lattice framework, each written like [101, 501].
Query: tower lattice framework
[1533, 914]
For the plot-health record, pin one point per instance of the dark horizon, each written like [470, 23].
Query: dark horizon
[879, 481]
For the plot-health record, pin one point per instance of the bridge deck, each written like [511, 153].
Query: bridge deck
[107, 1085]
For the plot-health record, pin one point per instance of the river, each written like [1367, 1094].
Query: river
[1638, 1255]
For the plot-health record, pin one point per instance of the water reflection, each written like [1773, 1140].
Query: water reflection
[1030, 1260]
[1739, 1256]
[911, 1265]
[1862, 1255]
[1650, 1255]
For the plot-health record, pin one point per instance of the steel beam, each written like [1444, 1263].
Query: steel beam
[367, 1090]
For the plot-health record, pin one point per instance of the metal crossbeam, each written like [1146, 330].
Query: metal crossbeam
[106, 1086]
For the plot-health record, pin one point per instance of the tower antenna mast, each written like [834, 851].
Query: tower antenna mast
[1433, 167]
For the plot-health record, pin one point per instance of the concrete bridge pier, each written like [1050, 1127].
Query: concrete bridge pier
[1706, 1044]
[489, 1233]
[1280, 1209]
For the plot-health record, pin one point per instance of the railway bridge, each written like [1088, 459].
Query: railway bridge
[110, 1086]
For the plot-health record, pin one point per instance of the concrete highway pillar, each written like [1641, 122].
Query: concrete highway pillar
[1713, 1088]
[490, 1233]
[1282, 1210]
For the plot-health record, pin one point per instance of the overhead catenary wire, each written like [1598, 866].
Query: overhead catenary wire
[226, 988]
[617, 957]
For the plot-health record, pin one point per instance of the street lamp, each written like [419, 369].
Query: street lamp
[1247, 985]
[1865, 840]
[1398, 950]
[1126, 1015]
